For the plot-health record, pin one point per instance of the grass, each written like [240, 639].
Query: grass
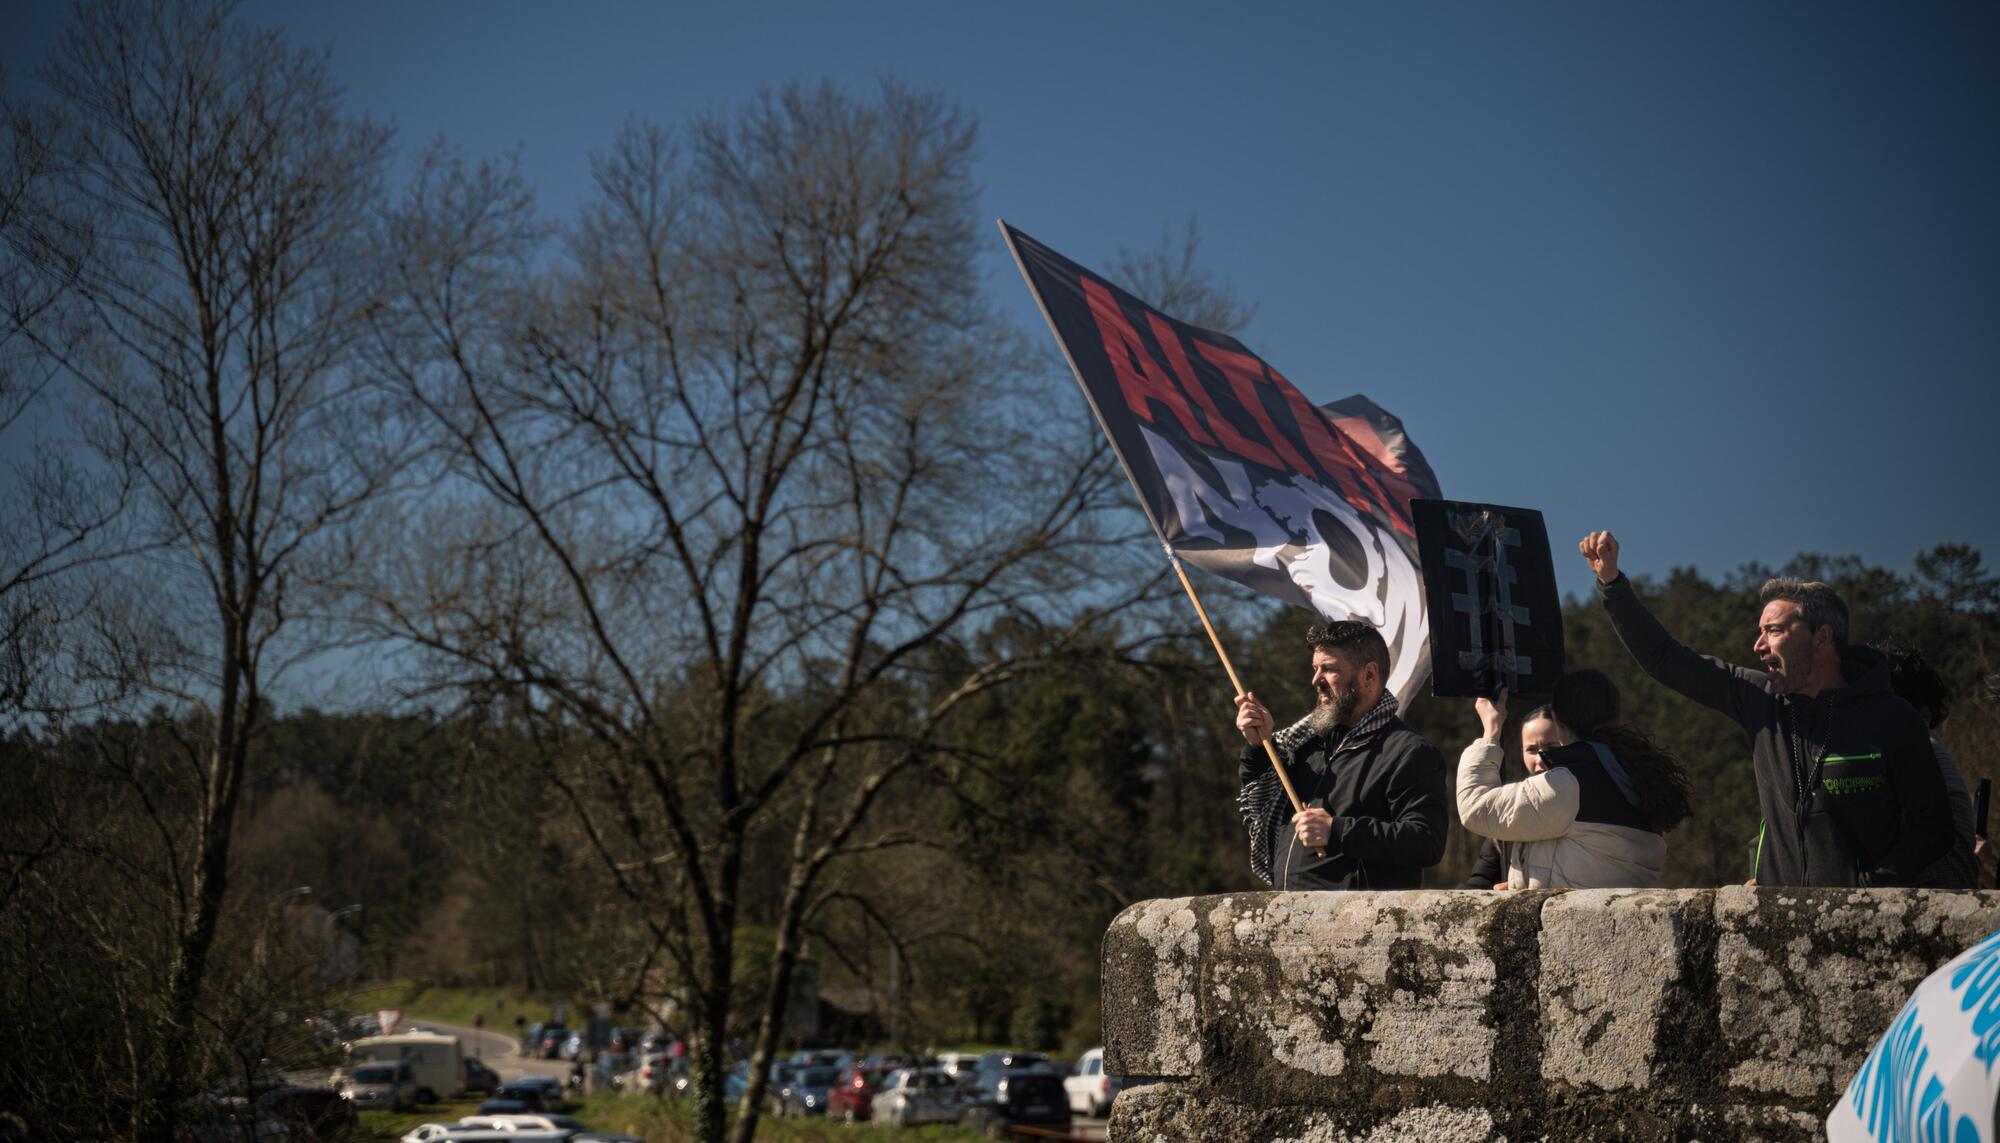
[664, 1121]
[457, 1005]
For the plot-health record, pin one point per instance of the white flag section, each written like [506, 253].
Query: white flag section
[1931, 1076]
[1338, 562]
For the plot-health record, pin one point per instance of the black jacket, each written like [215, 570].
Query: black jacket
[1490, 868]
[1388, 799]
[1875, 810]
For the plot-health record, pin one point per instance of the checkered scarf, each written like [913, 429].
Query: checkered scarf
[1262, 800]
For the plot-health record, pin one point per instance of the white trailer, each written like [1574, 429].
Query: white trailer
[435, 1059]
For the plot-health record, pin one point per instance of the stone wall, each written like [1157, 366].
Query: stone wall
[1645, 1014]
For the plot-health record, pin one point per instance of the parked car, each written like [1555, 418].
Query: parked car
[608, 1071]
[806, 1093]
[321, 1109]
[471, 1127]
[737, 1082]
[553, 1037]
[526, 1121]
[853, 1092]
[1090, 1089]
[529, 1097]
[550, 1087]
[821, 1058]
[653, 1073]
[1006, 1099]
[432, 1132]
[781, 1073]
[381, 1085]
[954, 1063]
[911, 1096]
[992, 1063]
[507, 1135]
[481, 1078]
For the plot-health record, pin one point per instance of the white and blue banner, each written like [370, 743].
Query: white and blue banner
[1931, 1077]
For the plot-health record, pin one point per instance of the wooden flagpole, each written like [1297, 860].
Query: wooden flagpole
[1270, 751]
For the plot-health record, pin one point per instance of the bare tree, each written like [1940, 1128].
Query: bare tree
[1170, 277]
[740, 473]
[207, 212]
[54, 512]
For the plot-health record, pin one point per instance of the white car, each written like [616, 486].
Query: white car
[475, 1127]
[522, 1121]
[910, 1096]
[1090, 1090]
[955, 1063]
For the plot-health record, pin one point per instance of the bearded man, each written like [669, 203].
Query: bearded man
[1374, 791]
[1846, 778]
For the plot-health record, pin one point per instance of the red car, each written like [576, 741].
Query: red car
[852, 1096]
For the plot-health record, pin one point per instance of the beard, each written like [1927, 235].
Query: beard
[1335, 708]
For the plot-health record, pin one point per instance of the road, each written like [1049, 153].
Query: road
[500, 1051]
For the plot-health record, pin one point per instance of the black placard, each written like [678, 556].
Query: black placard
[1495, 615]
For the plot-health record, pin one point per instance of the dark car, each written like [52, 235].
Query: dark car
[852, 1095]
[1017, 1099]
[993, 1063]
[550, 1046]
[317, 1107]
[737, 1082]
[806, 1093]
[550, 1087]
[608, 1069]
[532, 1097]
[480, 1078]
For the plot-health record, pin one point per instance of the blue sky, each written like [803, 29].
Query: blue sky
[1721, 277]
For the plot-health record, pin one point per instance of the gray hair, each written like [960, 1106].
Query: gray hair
[1819, 605]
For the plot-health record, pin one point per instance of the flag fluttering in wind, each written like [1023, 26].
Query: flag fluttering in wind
[1239, 473]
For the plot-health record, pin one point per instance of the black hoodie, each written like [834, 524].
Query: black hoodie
[1875, 813]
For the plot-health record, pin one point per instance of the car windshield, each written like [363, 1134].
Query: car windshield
[378, 1073]
[930, 1079]
[818, 1077]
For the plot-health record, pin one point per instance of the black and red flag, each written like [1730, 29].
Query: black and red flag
[1239, 473]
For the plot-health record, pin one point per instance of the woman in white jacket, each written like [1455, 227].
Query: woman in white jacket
[1598, 799]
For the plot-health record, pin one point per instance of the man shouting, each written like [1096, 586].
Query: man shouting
[1374, 790]
[1846, 779]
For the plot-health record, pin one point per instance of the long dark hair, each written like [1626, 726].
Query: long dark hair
[1916, 682]
[1586, 702]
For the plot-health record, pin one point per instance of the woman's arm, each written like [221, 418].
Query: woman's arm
[1541, 807]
